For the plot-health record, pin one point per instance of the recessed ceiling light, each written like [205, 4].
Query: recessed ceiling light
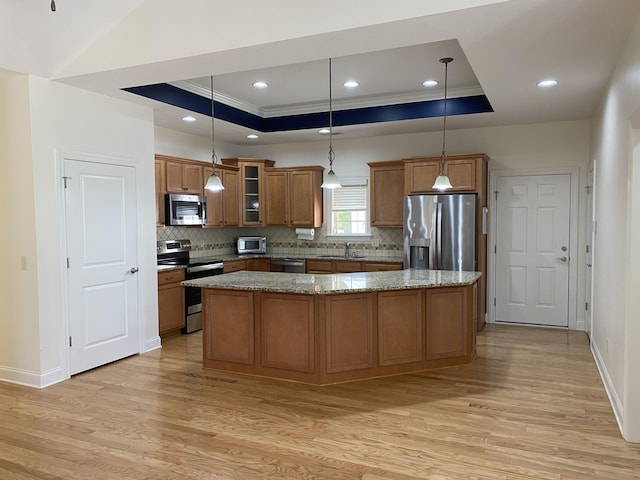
[351, 84]
[189, 119]
[429, 83]
[252, 136]
[260, 84]
[324, 131]
[547, 83]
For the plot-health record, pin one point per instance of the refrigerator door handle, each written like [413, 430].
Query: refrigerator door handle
[438, 245]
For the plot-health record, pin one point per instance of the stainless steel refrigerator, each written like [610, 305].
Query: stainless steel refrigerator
[440, 232]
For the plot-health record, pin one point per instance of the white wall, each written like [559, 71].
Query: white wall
[66, 119]
[18, 287]
[616, 308]
[195, 147]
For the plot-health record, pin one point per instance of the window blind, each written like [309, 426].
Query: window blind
[349, 198]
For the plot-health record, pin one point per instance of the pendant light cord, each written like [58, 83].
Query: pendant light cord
[332, 155]
[443, 157]
[213, 143]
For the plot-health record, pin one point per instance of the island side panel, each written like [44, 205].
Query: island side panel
[401, 317]
[287, 327]
[448, 322]
[228, 327]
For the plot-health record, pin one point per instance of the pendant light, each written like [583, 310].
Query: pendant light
[331, 181]
[214, 183]
[442, 181]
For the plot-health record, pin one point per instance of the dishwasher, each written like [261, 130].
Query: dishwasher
[289, 265]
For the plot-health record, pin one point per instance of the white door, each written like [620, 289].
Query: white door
[588, 294]
[532, 249]
[101, 223]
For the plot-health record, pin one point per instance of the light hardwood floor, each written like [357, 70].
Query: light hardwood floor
[531, 406]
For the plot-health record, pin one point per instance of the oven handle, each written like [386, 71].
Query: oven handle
[204, 268]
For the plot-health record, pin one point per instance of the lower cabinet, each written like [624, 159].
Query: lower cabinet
[259, 264]
[228, 334]
[349, 266]
[401, 327]
[234, 266]
[446, 333]
[171, 313]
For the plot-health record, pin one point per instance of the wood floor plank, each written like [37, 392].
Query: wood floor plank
[530, 406]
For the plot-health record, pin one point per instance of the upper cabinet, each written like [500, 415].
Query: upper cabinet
[387, 193]
[252, 196]
[463, 172]
[223, 206]
[294, 196]
[183, 177]
[160, 190]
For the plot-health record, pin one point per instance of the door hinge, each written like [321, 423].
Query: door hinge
[70, 341]
[494, 301]
[496, 194]
[64, 179]
[586, 306]
[495, 249]
[68, 263]
[587, 247]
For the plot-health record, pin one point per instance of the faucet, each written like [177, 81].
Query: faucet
[346, 249]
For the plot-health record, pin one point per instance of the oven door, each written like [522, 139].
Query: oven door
[193, 295]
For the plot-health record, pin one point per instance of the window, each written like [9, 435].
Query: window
[349, 209]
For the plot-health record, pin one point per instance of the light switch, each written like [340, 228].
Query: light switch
[23, 262]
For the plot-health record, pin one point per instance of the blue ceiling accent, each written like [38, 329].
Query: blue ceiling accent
[178, 97]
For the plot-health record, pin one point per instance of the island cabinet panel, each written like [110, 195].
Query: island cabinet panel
[349, 334]
[448, 318]
[229, 329]
[400, 327]
[287, 332]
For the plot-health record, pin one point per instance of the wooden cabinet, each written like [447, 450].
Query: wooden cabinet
[387, 193]
[223, 206]
[462, 170]
[252, 196]
[349, 266]
[319, 266]
[259, 264]
[184, 178]
[171, 312]
[234, 265]
[294, 196]
[161, 181]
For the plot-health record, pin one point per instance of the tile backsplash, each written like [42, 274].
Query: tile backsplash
[283, 240]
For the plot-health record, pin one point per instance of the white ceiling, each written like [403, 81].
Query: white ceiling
[501, 48]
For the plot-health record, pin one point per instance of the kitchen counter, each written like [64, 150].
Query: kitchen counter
[367, 258]
[166, 268]
[307, 284]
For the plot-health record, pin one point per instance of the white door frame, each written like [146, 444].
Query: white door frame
[576, 256]
[61, 156]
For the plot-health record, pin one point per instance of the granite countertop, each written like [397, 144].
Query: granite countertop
[303, 283]
[166, 268]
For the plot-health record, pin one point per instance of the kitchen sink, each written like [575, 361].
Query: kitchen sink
[340, 256]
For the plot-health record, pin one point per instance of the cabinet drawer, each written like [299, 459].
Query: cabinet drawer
[171, 276]
[381, 266]
[235, 266]
[319, 266]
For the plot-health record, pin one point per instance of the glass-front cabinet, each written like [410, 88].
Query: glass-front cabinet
[252, 182]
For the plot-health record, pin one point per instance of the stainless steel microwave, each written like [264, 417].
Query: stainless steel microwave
[251, 245]
[185, 209]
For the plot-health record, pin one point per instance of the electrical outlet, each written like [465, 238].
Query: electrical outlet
[375, 242]
[23, 262]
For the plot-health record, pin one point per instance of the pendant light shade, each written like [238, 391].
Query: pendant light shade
[442, 181]
[214, 183]
[331, 180]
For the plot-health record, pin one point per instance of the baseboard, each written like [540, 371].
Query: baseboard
[152, 344]
[616, 404]
[32, 379]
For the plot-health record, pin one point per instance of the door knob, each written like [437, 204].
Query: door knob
[133, 270]
[562, 259]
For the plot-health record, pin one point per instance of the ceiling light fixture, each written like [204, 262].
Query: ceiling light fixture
[429, 83]
[442, 181]
[547, 83]
[331, 181]
[323, 131]
[214, 183]
[189, 119]
[351, 84]
[260, 85]
[252, 136]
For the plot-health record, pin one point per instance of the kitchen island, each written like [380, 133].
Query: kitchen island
[323, 329]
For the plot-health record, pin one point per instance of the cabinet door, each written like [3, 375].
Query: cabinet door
[400, 327]
[446, 320]
[231, 198]
[252, 195]
[347, 266]
[192, 179]
[160, 190]
[420, 176]
[462, 174]
[234, 266]
[259, 265]
[174, 177]
[171, 312]
[214, 201]
[319, 266]
[387, 196]
[382, 266]
[305, 198]
[276, 197]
